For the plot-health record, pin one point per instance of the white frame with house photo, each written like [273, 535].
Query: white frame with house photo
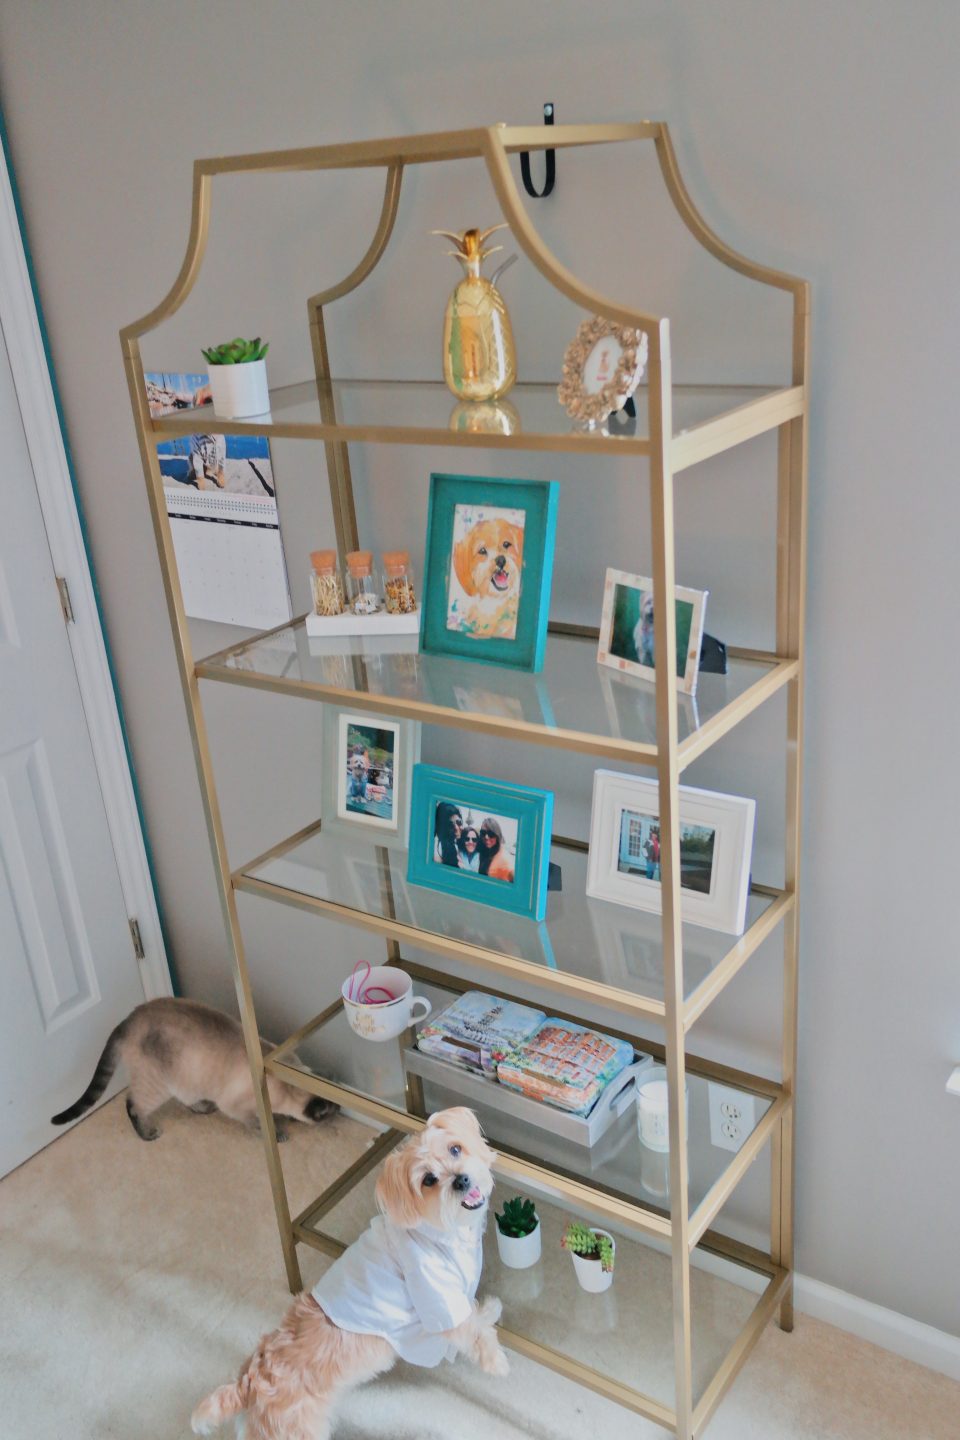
[722, 903]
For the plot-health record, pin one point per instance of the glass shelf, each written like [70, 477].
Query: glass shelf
[588, 950]
[574, 703]
[423, 412]
[625, 1333]
[617, 1165]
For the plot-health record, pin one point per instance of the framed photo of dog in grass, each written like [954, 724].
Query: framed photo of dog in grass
[481, 840]
[367, 767]
[489, 563]
[626, 628]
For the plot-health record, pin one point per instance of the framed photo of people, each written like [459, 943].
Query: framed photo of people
[482, 840]
[367, 764]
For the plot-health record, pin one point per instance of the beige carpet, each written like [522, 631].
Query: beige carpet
[134, 1277]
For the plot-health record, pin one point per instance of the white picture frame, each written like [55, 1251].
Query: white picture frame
[382, 812]
[620, 641]
[716, 849]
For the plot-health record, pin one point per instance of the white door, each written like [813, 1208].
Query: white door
[68, 971]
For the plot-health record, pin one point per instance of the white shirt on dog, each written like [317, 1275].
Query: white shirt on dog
[405, 1285]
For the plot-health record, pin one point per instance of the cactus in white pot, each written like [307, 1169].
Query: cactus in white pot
[518, 1233]
[238, 378]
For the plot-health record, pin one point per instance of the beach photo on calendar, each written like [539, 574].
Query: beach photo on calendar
[235, 464]
[486, 570]
[470, 840]
[367, 755]
[626, 628]
[639, 851]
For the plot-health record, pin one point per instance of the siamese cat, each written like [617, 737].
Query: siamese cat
[182, 1050]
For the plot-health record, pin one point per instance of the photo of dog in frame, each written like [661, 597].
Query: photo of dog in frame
[406, 1289]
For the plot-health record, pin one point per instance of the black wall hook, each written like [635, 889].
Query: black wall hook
[551, 157]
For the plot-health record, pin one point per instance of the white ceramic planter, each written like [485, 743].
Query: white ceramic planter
[519, 1252]
[240, 390]
[591, 1273]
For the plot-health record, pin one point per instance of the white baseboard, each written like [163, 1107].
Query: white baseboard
[936, 1349]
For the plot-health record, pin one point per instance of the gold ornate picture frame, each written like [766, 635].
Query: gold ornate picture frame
[602, 367]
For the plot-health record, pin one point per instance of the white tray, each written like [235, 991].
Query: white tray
[581, 1129]
[381, 622]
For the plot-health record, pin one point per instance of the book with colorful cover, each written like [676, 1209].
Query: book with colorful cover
[565, 1065]
[477, 1031]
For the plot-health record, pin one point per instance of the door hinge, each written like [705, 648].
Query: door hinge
[65, 605]
[138, 949]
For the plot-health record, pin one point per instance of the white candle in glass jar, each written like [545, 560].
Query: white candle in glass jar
[652, 1109]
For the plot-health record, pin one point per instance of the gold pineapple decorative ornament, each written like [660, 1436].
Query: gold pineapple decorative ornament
[479, 358]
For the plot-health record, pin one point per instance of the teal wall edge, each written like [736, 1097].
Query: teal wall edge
[5, 143]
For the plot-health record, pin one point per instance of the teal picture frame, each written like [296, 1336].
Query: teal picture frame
[524, 817]
[442, 589]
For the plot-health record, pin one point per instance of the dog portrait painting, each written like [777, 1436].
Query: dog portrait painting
[488, 568]
[486, 571]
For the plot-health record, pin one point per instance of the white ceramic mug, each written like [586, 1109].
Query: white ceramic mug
[652, 1120]
[383, 1019]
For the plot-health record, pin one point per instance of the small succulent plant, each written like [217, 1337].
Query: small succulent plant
[236, 352]
[581, 1240]
[518, 1218]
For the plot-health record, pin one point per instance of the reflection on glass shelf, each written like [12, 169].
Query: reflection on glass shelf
[627, 1333]
[608, 945]
[616, 1163]
[384, 409]
[572, 694]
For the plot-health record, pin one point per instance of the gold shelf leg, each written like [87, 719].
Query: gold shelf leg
[201, 749]
[668, 773]
[791, 597]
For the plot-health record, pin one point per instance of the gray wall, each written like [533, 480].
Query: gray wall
[817, 137]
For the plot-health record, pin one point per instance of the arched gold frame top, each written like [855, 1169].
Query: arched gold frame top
[493, 145]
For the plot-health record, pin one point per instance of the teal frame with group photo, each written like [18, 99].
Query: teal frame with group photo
[461, 613]
[530, 809]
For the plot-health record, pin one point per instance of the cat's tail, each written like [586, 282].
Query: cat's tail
[218, 1407]
[101, 1079]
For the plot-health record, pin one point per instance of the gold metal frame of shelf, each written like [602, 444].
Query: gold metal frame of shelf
[572, 986]
[785, 410]
[307, 1232]
[768, 411]
[516, 1163]
[780, 671]
[566, 1365]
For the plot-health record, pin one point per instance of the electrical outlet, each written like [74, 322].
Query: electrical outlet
[732, 1116]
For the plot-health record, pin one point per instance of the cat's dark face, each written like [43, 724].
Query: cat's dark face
[317, 1109]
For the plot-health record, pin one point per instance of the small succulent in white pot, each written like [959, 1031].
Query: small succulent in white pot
[593, 1253]
[518, 1233]
[238, 378]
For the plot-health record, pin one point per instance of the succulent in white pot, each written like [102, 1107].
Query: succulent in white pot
[518, 1233]
[238, 378]
[593, 1253]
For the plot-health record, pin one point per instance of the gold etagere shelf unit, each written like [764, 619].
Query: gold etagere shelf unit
[677, 427]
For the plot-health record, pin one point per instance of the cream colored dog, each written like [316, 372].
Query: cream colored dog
[406, 1288]
[488, 563]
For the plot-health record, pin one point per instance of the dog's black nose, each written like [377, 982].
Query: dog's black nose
[461, 1183]
[501, 561]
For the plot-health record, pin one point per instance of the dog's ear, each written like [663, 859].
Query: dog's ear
[396, 1193]
[462, 558]
[516, 535]
[457, 1117]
